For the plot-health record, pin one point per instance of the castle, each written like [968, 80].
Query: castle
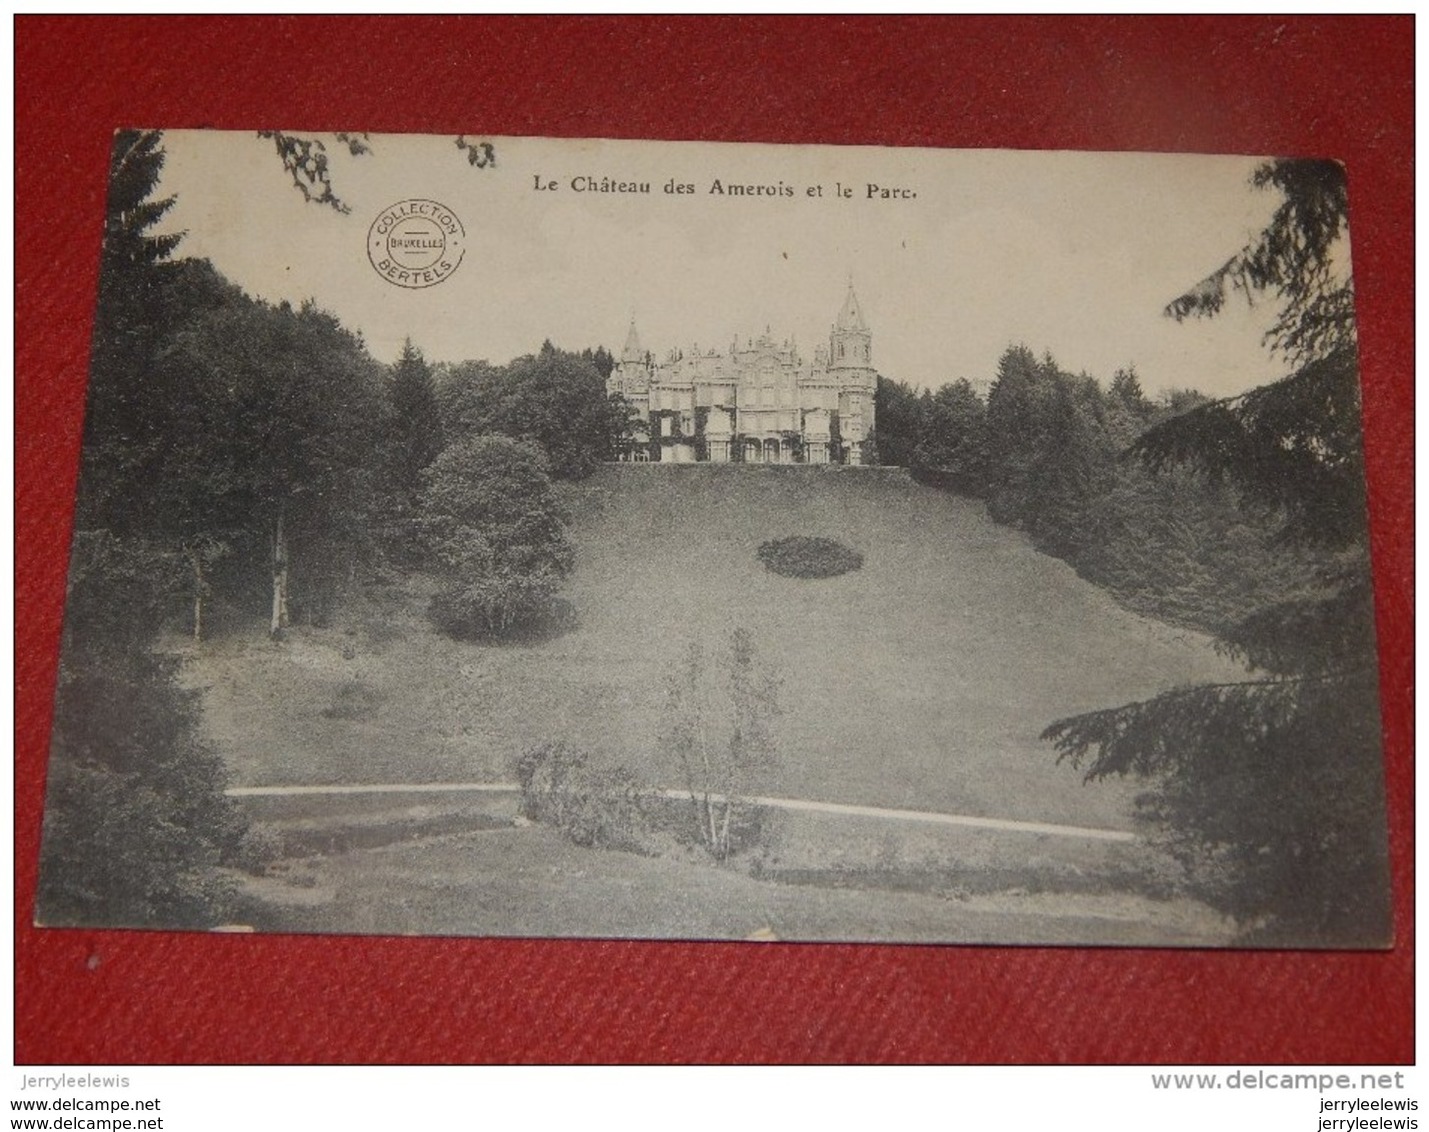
[760, 403]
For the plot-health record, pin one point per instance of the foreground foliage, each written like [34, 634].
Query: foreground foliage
[1244, 517]
[1299, 258]
[1269, 791]
[1272, 791]
[718, 724]
[136, 820]
[594, 807]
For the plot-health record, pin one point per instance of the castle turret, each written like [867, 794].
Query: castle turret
[850, 343]
[851, 366]
[633, 351]
[630, 378]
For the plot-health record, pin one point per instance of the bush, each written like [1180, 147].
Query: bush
[136, 821]
[495, 531]
[593, 807]
[501, 611]
[803, 557]
[138, 831]
[719, 755]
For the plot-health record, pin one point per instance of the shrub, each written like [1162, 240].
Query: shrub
[495, 530]
[802, 557]
[136, 821]
[719, 725]
[592, 806]
[137, 828]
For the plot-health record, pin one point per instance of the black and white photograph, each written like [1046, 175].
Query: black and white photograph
[523, 537]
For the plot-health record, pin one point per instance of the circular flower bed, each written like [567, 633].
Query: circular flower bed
[803, 557]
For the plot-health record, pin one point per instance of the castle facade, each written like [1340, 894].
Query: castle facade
[759, 403]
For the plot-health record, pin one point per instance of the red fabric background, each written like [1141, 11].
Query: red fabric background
[1341, 88]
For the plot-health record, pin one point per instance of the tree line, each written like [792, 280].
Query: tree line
[1243, 516]
[1046, 450]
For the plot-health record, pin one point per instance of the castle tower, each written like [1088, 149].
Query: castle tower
[850, 343]
[631, 375]
[851, 366]
[632, 351]
[631, 379]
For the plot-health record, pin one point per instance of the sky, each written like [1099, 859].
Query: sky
[1074, 254]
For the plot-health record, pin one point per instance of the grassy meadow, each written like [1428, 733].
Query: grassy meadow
[920, 681]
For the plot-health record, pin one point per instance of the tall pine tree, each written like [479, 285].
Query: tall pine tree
[415, 435]
[136, 821]
[1272, 789]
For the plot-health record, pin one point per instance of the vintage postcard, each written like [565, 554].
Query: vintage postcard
[531, 537]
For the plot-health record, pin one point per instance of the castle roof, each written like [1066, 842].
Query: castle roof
[851, 317]
[633, 351]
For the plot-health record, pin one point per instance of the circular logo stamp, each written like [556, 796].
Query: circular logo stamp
[416, 243]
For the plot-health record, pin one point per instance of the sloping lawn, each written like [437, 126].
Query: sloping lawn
[919, 681]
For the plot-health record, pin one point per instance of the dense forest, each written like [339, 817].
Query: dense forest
[246, 462]
[1046, 449]
[1244, 517]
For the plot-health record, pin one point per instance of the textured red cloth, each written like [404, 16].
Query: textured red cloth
[1334, 87]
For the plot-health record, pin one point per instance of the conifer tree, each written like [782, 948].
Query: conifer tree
[954, 432]
[1271, 789]
[416, 424]
[136, 820]
[134, 273]
[1298, 259]
[1126, 390]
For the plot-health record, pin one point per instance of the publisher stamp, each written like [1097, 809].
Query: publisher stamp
[416, 243]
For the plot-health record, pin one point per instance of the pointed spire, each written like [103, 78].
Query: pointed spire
[851, 317]
[633, 351]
